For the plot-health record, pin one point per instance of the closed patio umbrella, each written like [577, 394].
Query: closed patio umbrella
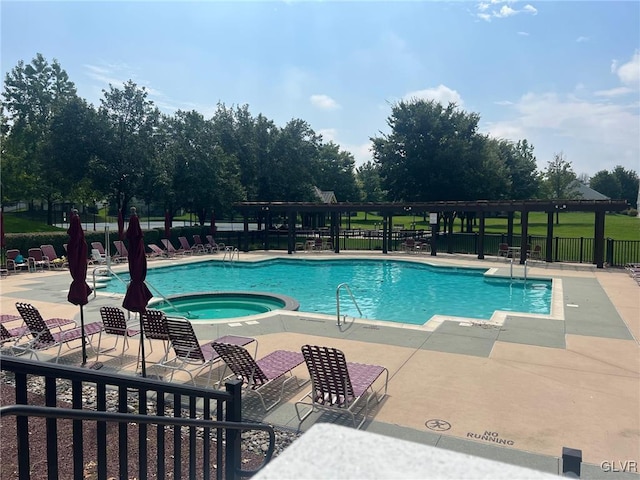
[77, 257]
[120, 225]
[138, 295]
[213, 223]
[167, 225]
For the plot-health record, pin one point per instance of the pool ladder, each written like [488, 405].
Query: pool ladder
[353, 299]
[511, 270]
[232, 252]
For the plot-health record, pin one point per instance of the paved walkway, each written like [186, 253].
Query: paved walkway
[516, 389]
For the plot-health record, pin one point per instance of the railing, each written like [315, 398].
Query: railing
[231, 252]
[220, 411]
[353, 299]
[98, 270]
[564, 249]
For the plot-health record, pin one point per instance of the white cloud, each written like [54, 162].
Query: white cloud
[441, 94]
[582, 39]
[524, 34]
[502, 9]
[324, 102]
[328, 134]
[613, 92]
[593, 134]
[628, 73]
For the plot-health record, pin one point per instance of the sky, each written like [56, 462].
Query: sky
[565, 76]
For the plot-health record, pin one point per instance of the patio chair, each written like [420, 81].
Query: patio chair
[98, 246]
[503, 250]
[122, 253]
[191, 356]
[42, 336]
[200, 245]
[15, 260]
[156, 251]
[37, 260]
[339, 386]
[536, 253]
[184, 245]
[16, 333]
[171, 250]
[50, 252]
[257, 375]
[97, 258]
[215, 246]
[115, 323]
[154, 326]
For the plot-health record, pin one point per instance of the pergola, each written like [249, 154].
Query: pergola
[446, 210]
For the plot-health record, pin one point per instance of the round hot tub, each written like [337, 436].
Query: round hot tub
[218, 305]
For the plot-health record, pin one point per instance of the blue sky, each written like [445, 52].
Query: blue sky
[563, 75]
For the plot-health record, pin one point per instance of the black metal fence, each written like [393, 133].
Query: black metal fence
[576, 250]
[216, 414]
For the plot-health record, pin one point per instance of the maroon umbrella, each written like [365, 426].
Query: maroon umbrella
[77, 257]
[2, 229]
[120, 225]
[167, 225]
[138, 295]
[213, 223]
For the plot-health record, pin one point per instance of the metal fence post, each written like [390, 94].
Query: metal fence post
[233, 414]
[609, 260]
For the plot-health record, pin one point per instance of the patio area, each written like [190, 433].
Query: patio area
[516, 389]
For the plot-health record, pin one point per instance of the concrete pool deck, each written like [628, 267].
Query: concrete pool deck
[516, 389]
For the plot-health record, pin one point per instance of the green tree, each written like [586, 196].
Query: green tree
[522, 170]
[436, 153]
[336, 172]
[33, 94]
[620, 183]
[369, 183]
[559, 180]
[130, 144]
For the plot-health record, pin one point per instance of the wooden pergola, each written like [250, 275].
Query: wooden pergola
[479, 208]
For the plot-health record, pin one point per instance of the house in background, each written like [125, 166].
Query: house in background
[327, 196]
[583, 192]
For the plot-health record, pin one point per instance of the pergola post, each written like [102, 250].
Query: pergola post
[510, 227]
[549, 246]
[291, 232]
[598, 245]
[481, 237]
[524, 238]
[384, 233]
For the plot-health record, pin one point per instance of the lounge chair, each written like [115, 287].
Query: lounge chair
[42, 336]
[7, 334]
[115, 323]
[15, 261]
[98, 246]
[190, 356]
[122, 254]
[171, 250]
[184, 245]
[156, 251]
[37, 260]
[257, 375]
[215, 246]
[200, 245]
[50, 253]
[339, 386]
[97, 258]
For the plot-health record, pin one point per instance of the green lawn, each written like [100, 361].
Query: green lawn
[572, 224]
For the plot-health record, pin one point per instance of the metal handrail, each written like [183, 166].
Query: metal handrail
[231, 253]
[353, 299]
[96, 271]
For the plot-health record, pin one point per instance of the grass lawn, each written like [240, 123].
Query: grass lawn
[572, 224]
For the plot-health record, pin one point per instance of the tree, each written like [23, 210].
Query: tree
[368, 177]
[521, 166]
[620, 183]
[33, 94]
[129, 147]
[560, 180]
[436, 153]
[336, 172]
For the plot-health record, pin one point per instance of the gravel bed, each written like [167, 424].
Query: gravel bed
[254, 443]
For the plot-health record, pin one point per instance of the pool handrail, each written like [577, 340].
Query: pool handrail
[353, 299]
[165, 299]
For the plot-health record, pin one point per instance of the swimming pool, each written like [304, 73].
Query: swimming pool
[392, 290]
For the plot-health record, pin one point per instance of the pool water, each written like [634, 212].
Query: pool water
[392, 290]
